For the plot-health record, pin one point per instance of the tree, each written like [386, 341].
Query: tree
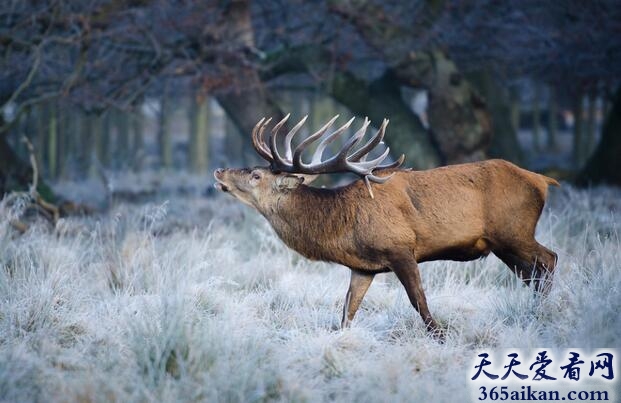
[604, 166]
[198, 133]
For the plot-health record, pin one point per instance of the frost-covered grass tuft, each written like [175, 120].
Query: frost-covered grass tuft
[197, 300]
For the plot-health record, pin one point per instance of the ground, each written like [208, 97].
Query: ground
[196, 299]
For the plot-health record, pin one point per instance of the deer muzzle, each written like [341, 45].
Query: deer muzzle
[219, 175]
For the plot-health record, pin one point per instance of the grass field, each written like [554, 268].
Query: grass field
[196, 299]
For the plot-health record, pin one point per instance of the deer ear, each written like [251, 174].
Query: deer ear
[288, 182]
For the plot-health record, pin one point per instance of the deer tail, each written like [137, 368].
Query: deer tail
[551, 181]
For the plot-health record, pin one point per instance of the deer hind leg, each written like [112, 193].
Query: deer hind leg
[543, 273]
[358, 285]
[409, 275]
[532, 263]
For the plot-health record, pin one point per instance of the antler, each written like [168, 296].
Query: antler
[344, 161]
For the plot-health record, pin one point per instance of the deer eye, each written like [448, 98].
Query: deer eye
[256, 176]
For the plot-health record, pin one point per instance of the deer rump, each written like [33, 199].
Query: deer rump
[393, 219]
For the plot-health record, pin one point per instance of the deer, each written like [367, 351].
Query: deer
[391, 219]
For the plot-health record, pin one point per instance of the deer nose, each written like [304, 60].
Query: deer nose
[218, 173]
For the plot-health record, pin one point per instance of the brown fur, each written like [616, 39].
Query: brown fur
[459, 212]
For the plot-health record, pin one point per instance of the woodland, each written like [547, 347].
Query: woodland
[113, 85]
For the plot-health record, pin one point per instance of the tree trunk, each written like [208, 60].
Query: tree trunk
[93, 158]
[245, 108]
[236, 145]
[537, 117]
[23, 128]
[123, 139]
[52, 141]
[377, 100]
[504, 142]
[217, 133]
[16, 174]
[608, 95]
[103, 140]
[382, 99]
[137, 147]
[591, 124]
[198, 134]
[42, 113]
[163, 133]
[80, 137]
[86, 142]
[604, 165]
[249, 102]
[515, 111]
[552, 121]
[578, 143]
[64, 128]
[458, 117]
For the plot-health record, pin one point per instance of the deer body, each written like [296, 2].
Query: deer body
[459, 212]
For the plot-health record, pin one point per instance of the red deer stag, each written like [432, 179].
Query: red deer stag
[392, 219]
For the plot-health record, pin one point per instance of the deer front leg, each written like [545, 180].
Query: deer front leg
[408, 274]
[358, 286]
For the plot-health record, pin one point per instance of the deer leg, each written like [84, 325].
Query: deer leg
[409, 275]
[543, 273]
[533, 263]
[522, 267]
[358, 285]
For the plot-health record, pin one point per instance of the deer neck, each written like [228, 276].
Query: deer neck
[312, 221]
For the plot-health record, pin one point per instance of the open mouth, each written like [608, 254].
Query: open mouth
[221, 186]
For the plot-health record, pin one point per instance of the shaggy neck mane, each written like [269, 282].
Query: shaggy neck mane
[314, 206]
[308, 219]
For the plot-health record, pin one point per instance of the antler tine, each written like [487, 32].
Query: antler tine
[277, 161]
[372, 178]
[372, 143]
[366, 168]
[278, 125]
[393, 164]
[372, 164]
[255, 130]
[289, 138]
[329, 139]
[313, 137]
[262, 137]
[257, 139]
[359, 135]
[351, 143]
[379, 179]
[297, 154]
